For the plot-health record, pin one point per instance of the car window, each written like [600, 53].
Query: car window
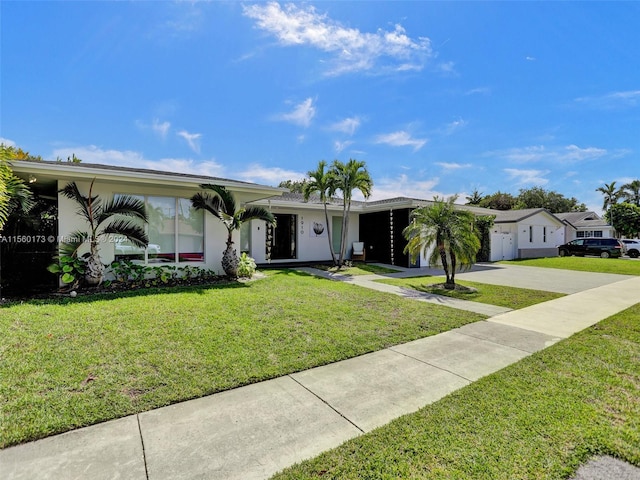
[577, 242]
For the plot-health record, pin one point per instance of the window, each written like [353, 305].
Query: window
[544, 234]
[530, 233]
[580, 234]
[597, 233]
[175, 230]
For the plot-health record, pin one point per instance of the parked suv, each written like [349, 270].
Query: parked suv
[632, 246]
[601, 247]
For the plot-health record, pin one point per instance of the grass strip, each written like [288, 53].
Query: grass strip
[620, 266]
[357, 269]
[537, 419]
[510, 297]
[74, 362]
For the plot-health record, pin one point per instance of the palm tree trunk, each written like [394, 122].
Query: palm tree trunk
[326, 219]
[95, 269]
[454, 262]
[445, 264]
[230, 260]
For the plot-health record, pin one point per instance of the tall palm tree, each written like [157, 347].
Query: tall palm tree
[104, 218]
[443, 234]
[611, 195]
[323, 183]
[631, 192]
[222, 205]
[475, 198]
[348, 177]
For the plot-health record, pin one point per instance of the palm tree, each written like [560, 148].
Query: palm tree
[15, 195]
[222, 205]
[443, 234]
[475, 198]
[631, 192]
[348, 177]
[104, 218]
[611, 195]
[323, 183]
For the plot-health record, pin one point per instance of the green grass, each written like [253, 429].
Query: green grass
[74, 362]
[500, 295]
[357, 269]
[537, 419]
[584, 264]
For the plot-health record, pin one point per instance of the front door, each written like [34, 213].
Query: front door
[284, 246]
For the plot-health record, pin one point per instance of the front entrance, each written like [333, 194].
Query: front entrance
[284, 241]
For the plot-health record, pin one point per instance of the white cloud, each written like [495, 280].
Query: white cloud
[193, 139]
[453, 166]
[301, 115]
[351, 49]
[269, 176]
[7, 142]
[566, 154]
[452, 127]
[132, 159]
[478, 91]
[527, 177]
[401, 139]
[404, 186]
[628, 98]
[340, 146]
[159, 128]
[529, 58]
[348, 125]
[448, 68]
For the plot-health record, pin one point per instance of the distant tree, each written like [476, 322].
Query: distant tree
[475, 198]
[324, 183]
[444, 234]
[538, 197]
[498, 201]
[294, 186]
[625, 219]
[631, 192]
[610, 193]
[348, 177]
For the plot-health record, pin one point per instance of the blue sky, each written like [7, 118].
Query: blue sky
[438, 98]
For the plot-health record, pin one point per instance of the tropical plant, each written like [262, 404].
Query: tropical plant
[444, 235]
[348, 177]
[104, 218]
[15, 194]
[611, 195]
[625, 219]
[475, 198]
[222, 205]
[324, 184]
[246, 266]
[631, 192]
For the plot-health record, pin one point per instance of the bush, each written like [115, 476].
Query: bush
[246, 266]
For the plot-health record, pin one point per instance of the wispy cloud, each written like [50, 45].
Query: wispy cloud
[447, 68]
[192, 139]
[269, 175]
[454, 126]
[529, 58]
[159, 128]
[348, 125]
[130, 158]
[538, 153]
[340, 146]
[302, 114]
[453, 165]
[406, 186]
[478, 91]
[351, 50]
[628, 98]
[401, 139]
[527, 177]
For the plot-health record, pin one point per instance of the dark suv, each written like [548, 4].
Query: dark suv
[601, 247]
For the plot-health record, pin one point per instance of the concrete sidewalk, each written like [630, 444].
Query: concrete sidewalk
[254, 431]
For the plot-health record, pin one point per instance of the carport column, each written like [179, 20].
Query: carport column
[391, 234]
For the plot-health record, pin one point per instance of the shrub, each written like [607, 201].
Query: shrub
[246, 266]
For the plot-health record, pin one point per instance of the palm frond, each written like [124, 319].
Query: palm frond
[72, 192]
[123, 205]
[133, 231]
[212, 204]
[228, 202]
[72, 243]
[257, 213]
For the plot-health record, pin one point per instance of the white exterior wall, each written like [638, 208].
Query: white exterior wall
[309, 246]
[538, 222]
[215, 234]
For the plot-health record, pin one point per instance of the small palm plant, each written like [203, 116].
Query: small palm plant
[222, 205]
[104, 218]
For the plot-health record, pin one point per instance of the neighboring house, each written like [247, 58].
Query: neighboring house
[180, 235]
[585, 224]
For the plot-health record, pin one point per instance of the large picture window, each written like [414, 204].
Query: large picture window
[175, 230]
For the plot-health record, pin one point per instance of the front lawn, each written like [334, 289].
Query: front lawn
[357, 269]
[500, 295]
[537, 419]
[68, 363]
[584, 264]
